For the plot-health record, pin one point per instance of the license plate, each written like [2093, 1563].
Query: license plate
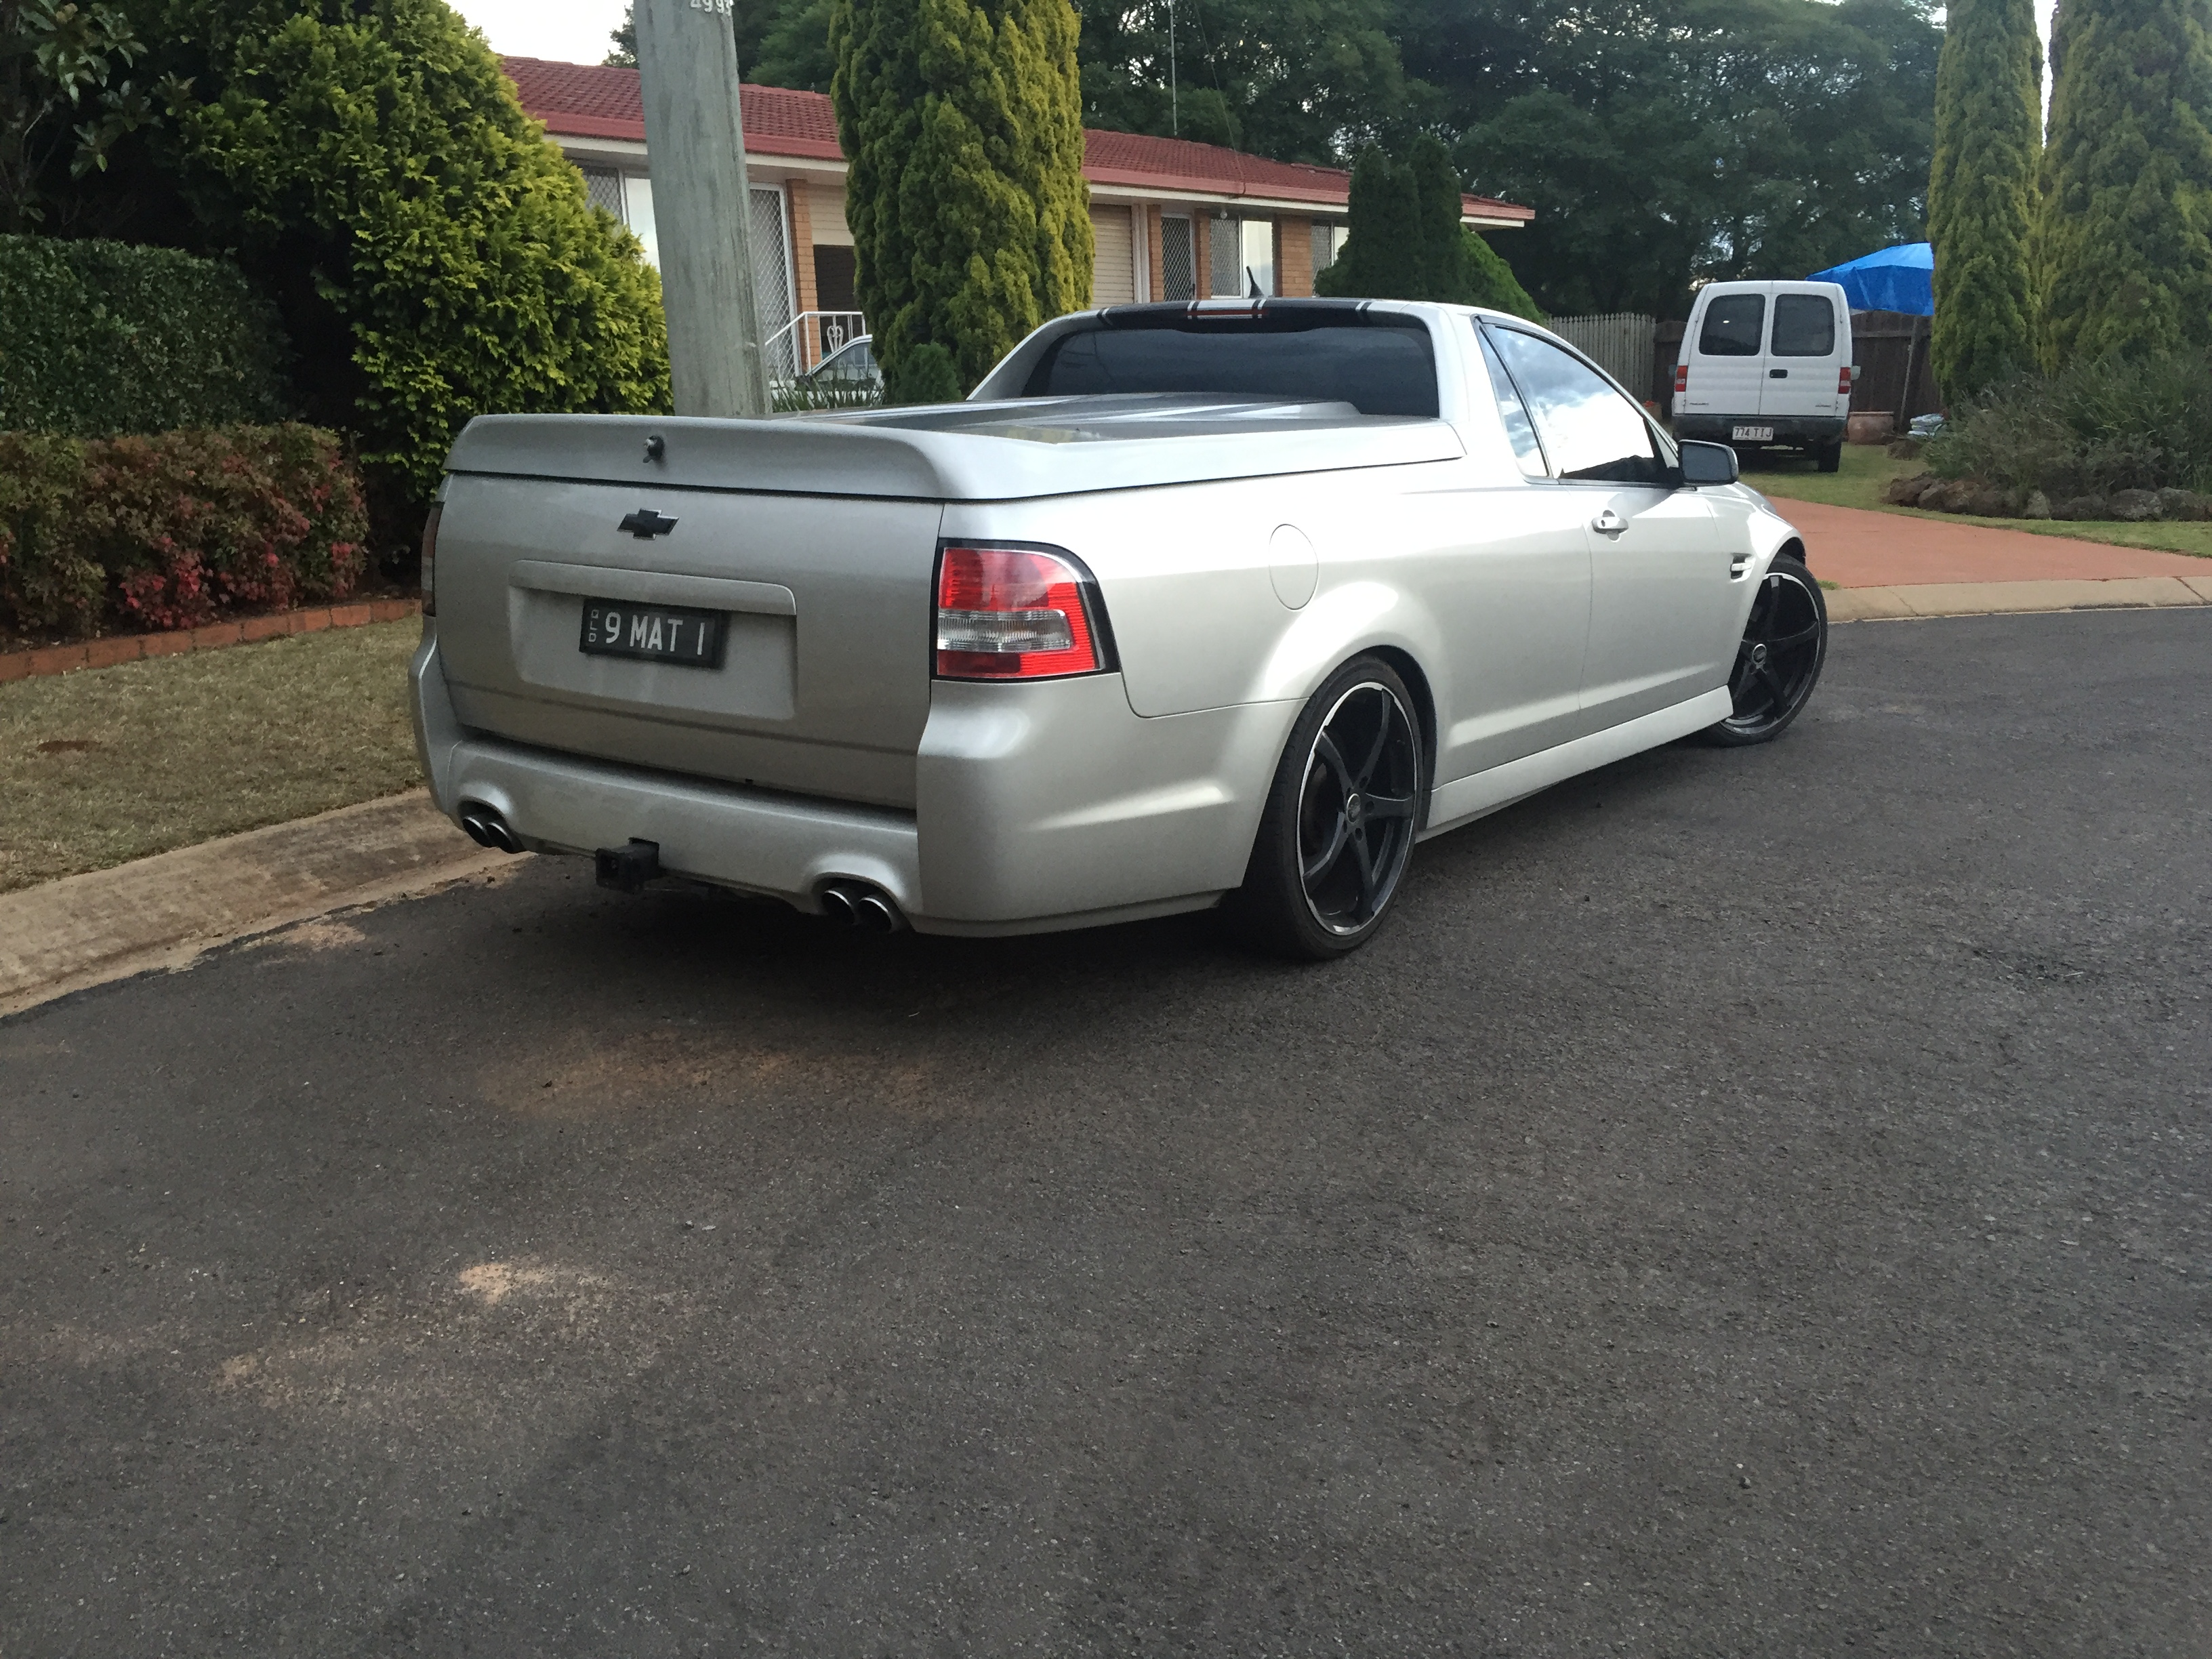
[1752, 434]
[654, 632]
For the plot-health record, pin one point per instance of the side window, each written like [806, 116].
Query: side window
[1590, 431]
[1804, 325]
[1733, 324]
[1518, 427]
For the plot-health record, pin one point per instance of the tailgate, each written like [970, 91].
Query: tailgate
[824, 683]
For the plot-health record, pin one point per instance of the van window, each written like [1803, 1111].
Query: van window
[1804, 325]
[1590, 431]
[1734, 323]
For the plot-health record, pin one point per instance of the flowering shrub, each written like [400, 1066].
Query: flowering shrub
[174, 531]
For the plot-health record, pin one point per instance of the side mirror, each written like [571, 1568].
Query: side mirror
[1708, 463]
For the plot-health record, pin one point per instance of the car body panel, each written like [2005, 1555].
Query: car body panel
[1241, 551]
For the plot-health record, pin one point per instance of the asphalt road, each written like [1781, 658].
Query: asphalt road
[1748, 1203]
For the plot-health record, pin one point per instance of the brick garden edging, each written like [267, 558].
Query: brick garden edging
[131, 648]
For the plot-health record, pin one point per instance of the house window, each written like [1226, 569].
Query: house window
[1225, 243]
[1178, 269]
[772, 286]
[603, 187]
[1327, 242]
[1259, 271]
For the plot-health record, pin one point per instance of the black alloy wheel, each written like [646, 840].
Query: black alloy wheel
[1777, 663]
[1340, 819]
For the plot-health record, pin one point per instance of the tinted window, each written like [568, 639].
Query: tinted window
[1379, 366]
[1804, 325]
[1732, 325]
[1590, 429]
[1518, 428]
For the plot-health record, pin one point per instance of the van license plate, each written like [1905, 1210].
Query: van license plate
[1752, 434]
[654, 632]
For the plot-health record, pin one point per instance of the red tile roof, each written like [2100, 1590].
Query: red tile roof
[598, 101]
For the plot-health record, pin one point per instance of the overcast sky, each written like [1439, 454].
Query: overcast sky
[567, 31]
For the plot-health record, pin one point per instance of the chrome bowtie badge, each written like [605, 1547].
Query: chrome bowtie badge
[645, 524]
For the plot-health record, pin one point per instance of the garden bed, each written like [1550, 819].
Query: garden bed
[1868, 471]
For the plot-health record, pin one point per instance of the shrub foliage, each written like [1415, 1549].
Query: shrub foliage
[98, 339]
[436, 257]
[2097, 429]
[961, 121]
[173, 531]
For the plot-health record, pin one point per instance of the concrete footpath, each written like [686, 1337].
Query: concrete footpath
[164, 911]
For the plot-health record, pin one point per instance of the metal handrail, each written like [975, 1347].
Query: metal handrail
[801, 343]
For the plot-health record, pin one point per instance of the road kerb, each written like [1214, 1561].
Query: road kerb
[166, 911]
[2000, 599]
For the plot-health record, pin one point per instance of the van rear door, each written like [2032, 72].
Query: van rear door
[1808, 347]
[1725, 351]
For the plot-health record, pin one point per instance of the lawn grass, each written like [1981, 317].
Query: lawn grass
[1867, 469]
[108, 764]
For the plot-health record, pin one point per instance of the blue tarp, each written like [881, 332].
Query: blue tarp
[1896, 279]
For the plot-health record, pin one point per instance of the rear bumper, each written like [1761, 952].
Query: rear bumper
[1788, 428]
[1038, 807]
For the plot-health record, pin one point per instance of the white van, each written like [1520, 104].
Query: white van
[1767, 365]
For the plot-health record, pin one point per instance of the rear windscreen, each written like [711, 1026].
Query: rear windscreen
[1733, 324]
[1804, 325]
[1378, 366]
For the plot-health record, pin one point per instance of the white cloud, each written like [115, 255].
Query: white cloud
[567, 31]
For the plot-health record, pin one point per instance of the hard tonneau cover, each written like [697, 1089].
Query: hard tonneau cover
[1013, 450]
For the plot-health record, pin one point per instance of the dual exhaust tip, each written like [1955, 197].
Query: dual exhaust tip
[629, 869]
[860, 906]
[487, 828]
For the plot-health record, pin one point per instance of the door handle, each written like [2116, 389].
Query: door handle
[1608, 523]
[1778, 373]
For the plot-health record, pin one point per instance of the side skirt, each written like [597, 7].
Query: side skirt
[1464, 799]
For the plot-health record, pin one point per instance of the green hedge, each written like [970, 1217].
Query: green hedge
[98, 339]
[171, 532]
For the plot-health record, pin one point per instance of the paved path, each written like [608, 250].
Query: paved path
[1748, 1203]
[1859, 549]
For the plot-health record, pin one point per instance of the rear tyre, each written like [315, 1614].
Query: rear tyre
[1340, 818]
[1785, 641]
[1829, 456]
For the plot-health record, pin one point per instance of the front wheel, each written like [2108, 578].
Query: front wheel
[1785, 641]
[1340, 818]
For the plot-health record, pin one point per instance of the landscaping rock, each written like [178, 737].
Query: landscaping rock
[2083, 509]
[2037, 507]
[1990, 502]
[1906, 492]
[2134, 506]
[2183, 506]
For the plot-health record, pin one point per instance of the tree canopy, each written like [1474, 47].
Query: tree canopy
[1660, 141]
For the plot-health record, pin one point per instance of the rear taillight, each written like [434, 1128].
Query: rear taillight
[1843, 383]
[1682, 377]
[430, 559]
[1005, 613]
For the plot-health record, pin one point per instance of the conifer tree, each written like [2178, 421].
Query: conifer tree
[962, 122]
[1381, 257]
[2124, 224]
[1988, 116]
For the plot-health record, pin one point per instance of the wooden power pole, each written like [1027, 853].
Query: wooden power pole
[687, 58]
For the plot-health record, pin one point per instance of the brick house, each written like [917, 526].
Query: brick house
[1173, 220]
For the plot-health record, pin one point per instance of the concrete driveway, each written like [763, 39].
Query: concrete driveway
[1748, 1203]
